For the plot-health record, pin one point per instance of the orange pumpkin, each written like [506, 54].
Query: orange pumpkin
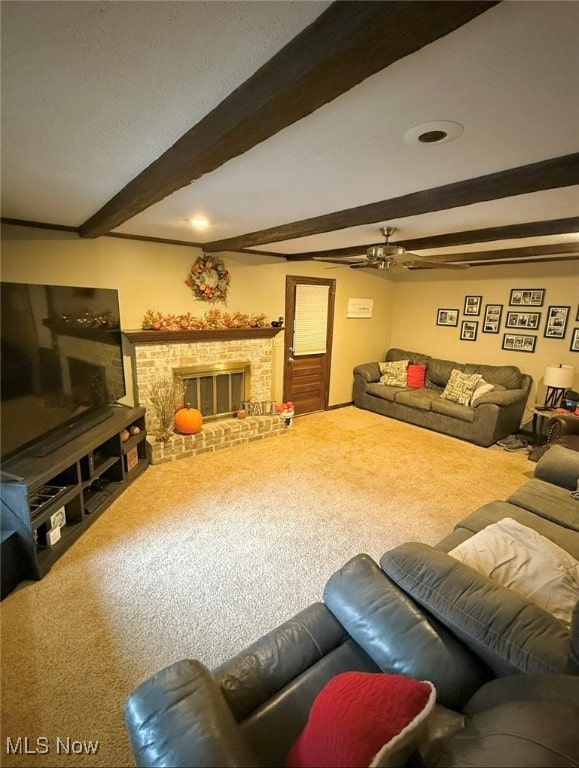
[188, 420]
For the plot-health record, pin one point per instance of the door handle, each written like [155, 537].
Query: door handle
[290, 360]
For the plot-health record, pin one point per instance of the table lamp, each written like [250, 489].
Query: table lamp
[557, 379]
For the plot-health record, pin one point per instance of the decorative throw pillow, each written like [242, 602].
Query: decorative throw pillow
[364, 719]
[481, 389]
[416, 376]
[523, 560]
[460, 386]
[394, 374]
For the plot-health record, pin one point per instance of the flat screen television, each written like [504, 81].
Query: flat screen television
[61, 363]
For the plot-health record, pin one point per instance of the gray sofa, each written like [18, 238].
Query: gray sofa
[505, 667]
[496, 414]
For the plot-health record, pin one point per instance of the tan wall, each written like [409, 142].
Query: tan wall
[417, 298]
[151, 275]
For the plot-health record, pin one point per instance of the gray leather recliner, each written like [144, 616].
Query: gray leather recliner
[250, 710]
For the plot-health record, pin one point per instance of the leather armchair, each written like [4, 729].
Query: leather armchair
[250, 710]
[564, 430]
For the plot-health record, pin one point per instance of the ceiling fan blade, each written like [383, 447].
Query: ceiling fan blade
[328, 260]
[425, 264]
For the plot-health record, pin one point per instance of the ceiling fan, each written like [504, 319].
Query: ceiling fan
[386, 255]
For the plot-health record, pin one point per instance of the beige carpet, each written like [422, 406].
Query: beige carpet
[201, 556]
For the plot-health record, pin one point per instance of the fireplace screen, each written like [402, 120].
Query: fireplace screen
[217, 391]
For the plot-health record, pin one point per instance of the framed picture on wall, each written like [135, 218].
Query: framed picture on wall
[575, 340]
[492, 318]
[447, 317]
[529, 320]
[527, 297]
[519, 342]
[468, 330]
[472, 305]
[556, 324]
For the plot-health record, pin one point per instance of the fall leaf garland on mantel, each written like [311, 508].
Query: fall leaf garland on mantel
[213, 319]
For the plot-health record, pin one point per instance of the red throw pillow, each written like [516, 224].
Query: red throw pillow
[363, 719]
[416, 376]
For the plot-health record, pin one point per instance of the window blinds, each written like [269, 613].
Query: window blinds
[311, 319]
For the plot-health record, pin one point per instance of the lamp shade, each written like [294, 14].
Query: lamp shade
[559, 376]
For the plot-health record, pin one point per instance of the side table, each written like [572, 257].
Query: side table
[539, 416]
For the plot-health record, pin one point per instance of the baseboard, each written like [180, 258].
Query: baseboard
[339, 405]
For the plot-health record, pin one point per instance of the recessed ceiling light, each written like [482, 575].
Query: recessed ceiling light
[437, 132]
[199, 222]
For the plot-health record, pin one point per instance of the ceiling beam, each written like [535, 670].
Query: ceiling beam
[508, 232]
[341, 48]
[541, 260]
[547, 174]
[567, 249]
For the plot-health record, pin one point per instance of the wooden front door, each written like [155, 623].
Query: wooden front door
[309, 311]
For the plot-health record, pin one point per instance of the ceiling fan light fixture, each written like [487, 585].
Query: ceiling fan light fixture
[437, 132]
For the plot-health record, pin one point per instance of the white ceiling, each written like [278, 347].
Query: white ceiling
[93, 92]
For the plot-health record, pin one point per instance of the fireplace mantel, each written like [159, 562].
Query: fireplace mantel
[208, 334]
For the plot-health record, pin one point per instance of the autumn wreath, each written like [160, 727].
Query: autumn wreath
[208, 279]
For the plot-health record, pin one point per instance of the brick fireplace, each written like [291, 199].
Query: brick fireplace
[169, 355]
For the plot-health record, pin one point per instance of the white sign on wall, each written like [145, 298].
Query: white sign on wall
[360, 308]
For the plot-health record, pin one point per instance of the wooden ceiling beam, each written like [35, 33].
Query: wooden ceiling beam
[567, 249]
[508, 232]
[341, 48]
[547, 174]
[541, 260]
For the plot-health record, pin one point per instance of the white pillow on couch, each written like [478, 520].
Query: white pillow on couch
[531, 565]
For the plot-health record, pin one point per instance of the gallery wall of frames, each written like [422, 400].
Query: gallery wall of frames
[519, 324]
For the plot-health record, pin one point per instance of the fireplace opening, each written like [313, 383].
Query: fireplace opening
[217, 390]
[88, 383]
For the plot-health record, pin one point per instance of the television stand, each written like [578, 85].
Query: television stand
[73, 430]
[47, 501]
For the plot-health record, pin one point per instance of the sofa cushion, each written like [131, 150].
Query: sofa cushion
[519, 720]
[509, 376]
[519, 558]
[448, 408]
[416, 398]
[382, 391]
[559, 466]
[509, 633]
[439, 371]
[363, 719]
[512, 734]
[416, 375]
[548, 500]
[460, 387]
[394, 374]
